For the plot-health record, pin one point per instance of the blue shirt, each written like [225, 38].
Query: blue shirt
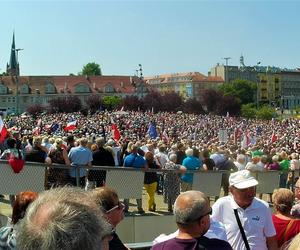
[191, 163]
[134, 161]
[79, 156]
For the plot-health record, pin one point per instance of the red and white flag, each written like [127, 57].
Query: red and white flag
[115, 130]
[3, 131]
[246, 140]
[165, 136]
[273, 137]
[37, 130]
[70, 126]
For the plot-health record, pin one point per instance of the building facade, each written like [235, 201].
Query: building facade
[17, 93]
[290, 89]
[187, 85]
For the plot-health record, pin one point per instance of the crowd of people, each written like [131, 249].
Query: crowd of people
[171, 141]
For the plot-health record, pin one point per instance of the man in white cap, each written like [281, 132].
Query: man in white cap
[247, 220]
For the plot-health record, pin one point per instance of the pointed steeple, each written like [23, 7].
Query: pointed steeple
[13, 66]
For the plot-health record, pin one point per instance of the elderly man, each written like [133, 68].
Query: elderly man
[63, 218]
[192, 212]
[247, 220]
[80, 156]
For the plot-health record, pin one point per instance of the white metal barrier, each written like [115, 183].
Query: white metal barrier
[32, 177]
[208, 182]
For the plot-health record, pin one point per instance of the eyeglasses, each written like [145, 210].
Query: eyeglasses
[200, 217]
[119, 206]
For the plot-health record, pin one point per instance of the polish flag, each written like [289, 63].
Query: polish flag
[273, 137]
[70, 126]
[165, 136]
[3, 131]
[115, 130]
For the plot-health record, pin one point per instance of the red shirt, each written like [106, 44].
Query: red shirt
[281, 224]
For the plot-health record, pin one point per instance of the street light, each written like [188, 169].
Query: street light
[257, 92]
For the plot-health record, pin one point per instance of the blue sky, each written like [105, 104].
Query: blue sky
[59, 37]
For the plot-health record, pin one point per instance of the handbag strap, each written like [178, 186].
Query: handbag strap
[287, 228]
[241, 229]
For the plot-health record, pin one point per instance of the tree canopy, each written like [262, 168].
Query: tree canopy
[91, 69]
[241, 89]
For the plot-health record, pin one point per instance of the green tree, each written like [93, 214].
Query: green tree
[242, 89]
[91, 69]
[266, 113]
[248, 110]
[112, 101]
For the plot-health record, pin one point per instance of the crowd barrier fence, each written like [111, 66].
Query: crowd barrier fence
[128, 182]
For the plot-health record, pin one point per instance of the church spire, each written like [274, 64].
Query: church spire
[13, 67]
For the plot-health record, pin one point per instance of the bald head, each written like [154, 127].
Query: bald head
[189, 206]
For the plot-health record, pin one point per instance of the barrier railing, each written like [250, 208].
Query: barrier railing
[127, 181]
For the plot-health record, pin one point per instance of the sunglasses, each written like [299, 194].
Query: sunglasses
[119, 206]
[208, 213]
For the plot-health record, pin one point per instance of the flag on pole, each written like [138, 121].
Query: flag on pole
[3, 131]
[165, 136]
[37, 130]
[115, 130]
[152, 131]
[70, 126]
[273, 137]
[246, 140]
[54, 127]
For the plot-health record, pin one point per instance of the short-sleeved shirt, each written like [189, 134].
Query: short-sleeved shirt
[79, 156]
[191, 163]
[255, 219]
[193, 244]
[284, 165]
[134, 161]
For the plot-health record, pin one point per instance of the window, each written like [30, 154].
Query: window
[24, 89]
[3, 89]
[50, 89]
[82, 88]
[109, 88]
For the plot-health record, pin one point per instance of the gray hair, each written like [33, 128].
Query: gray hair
[189, 206]
[240, 158]
[189, 152]
[63, 218]
[173, 158]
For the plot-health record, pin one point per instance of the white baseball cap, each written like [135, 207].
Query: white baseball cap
[242, 179]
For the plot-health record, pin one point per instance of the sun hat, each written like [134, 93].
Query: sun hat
[242, 179]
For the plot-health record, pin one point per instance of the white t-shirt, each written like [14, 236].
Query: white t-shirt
[255, 219]
[215, 231]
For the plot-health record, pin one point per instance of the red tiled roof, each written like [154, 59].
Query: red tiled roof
[121, 84]
[193, 76]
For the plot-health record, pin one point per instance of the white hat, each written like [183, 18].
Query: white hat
[242, 179]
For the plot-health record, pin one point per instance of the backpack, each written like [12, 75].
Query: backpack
[17, 163]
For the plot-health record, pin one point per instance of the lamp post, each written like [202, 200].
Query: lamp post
[226, 69]
[257, 92]
[140, 87]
